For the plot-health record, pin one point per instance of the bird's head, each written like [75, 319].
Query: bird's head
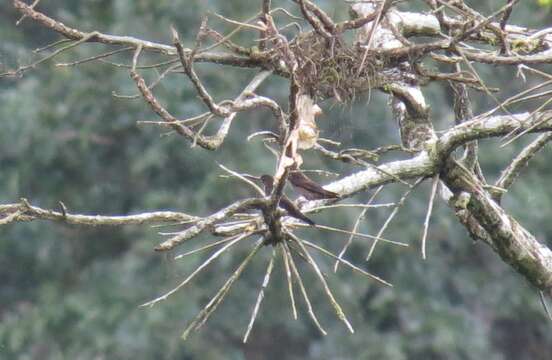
[268, 182]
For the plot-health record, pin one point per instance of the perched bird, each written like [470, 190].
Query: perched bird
[285, 202]
[308, 188]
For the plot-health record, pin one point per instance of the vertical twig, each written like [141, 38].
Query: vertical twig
[428, 214]
[260, 297]
[383, 8]
[544, 305]
[289, 281]
[338, 310]
[263, 35]
[303, 291]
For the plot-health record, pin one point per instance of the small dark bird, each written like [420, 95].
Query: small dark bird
[285, 202]
[308, 188]
[268, 182]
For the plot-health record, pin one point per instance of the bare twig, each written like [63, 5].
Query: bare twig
[361, 21]
[303, 290]
[204, 223]
[187, 61]
[239, 104]
[376, 22]
[508, 175]
[329, 228]
[545, 305]
[239, 23]
[24, 68]
[77, 35]
[265, 10]
[428, 214]
[361, 206]
[162, 112]
[215, 301]
[27, 212]
[339, 312]
[52, 45]
[18, 22]
[399, 204]
[285, 256]
[260, 297]
[315, 22]
[205, 247]
[355, 227]
[324, 18]
[246, 180]
[209, 260]
[151, 86]
[95, 57]
[346, 262]
[539, 121]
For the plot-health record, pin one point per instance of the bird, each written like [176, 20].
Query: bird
[285, 202]
[268, 182]
[308, 188]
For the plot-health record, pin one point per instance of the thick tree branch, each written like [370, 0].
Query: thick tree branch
[428, 161]
[515, 245]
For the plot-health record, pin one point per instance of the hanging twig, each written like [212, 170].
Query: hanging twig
[545, 305]
[303, 291]
[339, 312]
[215, 301]
[260, 297]
[285, 256]
[428, 214]
[203, 265]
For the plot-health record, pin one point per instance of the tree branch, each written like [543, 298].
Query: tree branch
[509, 175]
[74, 34]
[24, 211]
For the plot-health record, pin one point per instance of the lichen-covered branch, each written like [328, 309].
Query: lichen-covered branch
[515, 245]
[206, 222]
[24, 211]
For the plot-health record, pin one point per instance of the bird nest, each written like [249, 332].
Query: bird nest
[333, 68]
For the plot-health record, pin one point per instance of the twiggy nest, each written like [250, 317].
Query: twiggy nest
[333, 68]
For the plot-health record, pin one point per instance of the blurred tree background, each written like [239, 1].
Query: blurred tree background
[69, 292]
